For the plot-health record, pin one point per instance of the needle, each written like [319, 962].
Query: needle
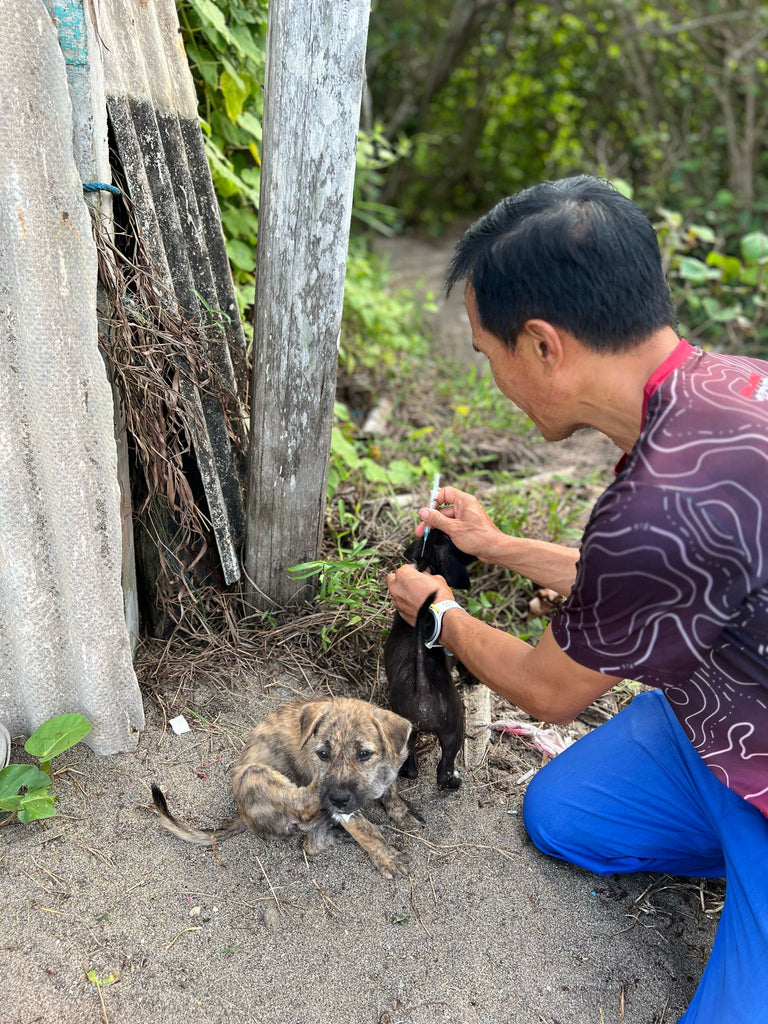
[431, 504]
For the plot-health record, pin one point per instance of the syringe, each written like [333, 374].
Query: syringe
[431, 504]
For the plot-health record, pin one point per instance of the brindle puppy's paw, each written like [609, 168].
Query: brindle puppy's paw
[413, 819]
[388, 861]
[307, 804]
[318, 840]
[400, 811]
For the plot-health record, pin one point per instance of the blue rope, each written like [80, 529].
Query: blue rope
[100, 186]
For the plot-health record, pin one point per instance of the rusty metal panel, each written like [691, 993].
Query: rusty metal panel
[64, 645]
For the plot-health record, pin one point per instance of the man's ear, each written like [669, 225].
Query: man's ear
[546, 343]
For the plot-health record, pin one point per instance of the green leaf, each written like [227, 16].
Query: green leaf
[730, 266]
[695, 271]
[711, 306]
[16, 777]
[57, 735]
[344, 449]
[306, 569]
[750, 276]
[754, 247]
[719, 313]
[231, 70]
[96, 980]
[241, 254]
[209, 12]
[373, 472]
[36, 805]
[205, 66]
[402, 473]
[702, 232]
[671, 216]
[623, 187]
[234, 94]
[251, 124]
[247, 45]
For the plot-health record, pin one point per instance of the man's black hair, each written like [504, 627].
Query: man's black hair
[574, 252]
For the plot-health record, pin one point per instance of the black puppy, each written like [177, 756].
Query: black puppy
[420, 684]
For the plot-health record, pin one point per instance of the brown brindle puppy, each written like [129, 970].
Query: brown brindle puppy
[310, 765]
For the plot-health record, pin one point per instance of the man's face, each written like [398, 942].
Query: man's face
[518, 374]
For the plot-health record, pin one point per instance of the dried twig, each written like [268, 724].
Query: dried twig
[416, 909]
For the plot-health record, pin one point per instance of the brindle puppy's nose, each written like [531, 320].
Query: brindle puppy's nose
[340, 799]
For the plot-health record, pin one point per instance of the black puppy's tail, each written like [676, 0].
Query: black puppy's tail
[424, 628]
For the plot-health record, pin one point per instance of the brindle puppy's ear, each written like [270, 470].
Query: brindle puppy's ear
[394, 731]
[311, 718]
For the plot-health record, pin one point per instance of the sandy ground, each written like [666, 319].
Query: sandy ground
[483, 929]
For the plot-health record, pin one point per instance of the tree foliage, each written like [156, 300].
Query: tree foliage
[471, 100]
[671, 98]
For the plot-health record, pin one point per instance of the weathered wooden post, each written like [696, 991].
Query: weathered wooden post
[314, 80]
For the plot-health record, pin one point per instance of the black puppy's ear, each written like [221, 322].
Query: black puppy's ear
[455, 572]
[446, 559]
[413, 552]
[440, 555]
[429, 553]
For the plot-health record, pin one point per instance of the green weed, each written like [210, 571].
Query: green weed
[26, 789]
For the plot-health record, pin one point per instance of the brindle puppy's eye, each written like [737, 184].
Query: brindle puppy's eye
[322, 754]
[364, 755]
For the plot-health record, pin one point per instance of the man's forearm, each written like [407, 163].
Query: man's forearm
[549, 565]
[541, 680]
[497, 659]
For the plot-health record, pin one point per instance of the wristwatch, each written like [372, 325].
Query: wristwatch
[438, 611]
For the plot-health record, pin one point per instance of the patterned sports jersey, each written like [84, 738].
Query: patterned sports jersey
[672, 581]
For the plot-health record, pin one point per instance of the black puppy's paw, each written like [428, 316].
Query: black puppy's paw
[450, 780]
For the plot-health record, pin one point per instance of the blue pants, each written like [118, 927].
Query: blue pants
[635, 796]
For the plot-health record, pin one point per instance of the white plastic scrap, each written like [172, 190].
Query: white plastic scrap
[179, 725]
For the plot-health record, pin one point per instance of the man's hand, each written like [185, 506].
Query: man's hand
[410, 588]
[466, 522]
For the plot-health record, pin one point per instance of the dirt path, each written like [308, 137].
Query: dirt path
[421, 265]
[484, 929]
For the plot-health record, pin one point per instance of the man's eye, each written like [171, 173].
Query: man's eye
[364, 755]
[322, 754]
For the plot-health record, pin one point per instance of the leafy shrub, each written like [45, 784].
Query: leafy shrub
[383, 327]
[720, 285]
[226, 49]
[25, 789]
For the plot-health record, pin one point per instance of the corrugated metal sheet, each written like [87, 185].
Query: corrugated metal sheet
[153, 114]
[63, 639]
[64, 645]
